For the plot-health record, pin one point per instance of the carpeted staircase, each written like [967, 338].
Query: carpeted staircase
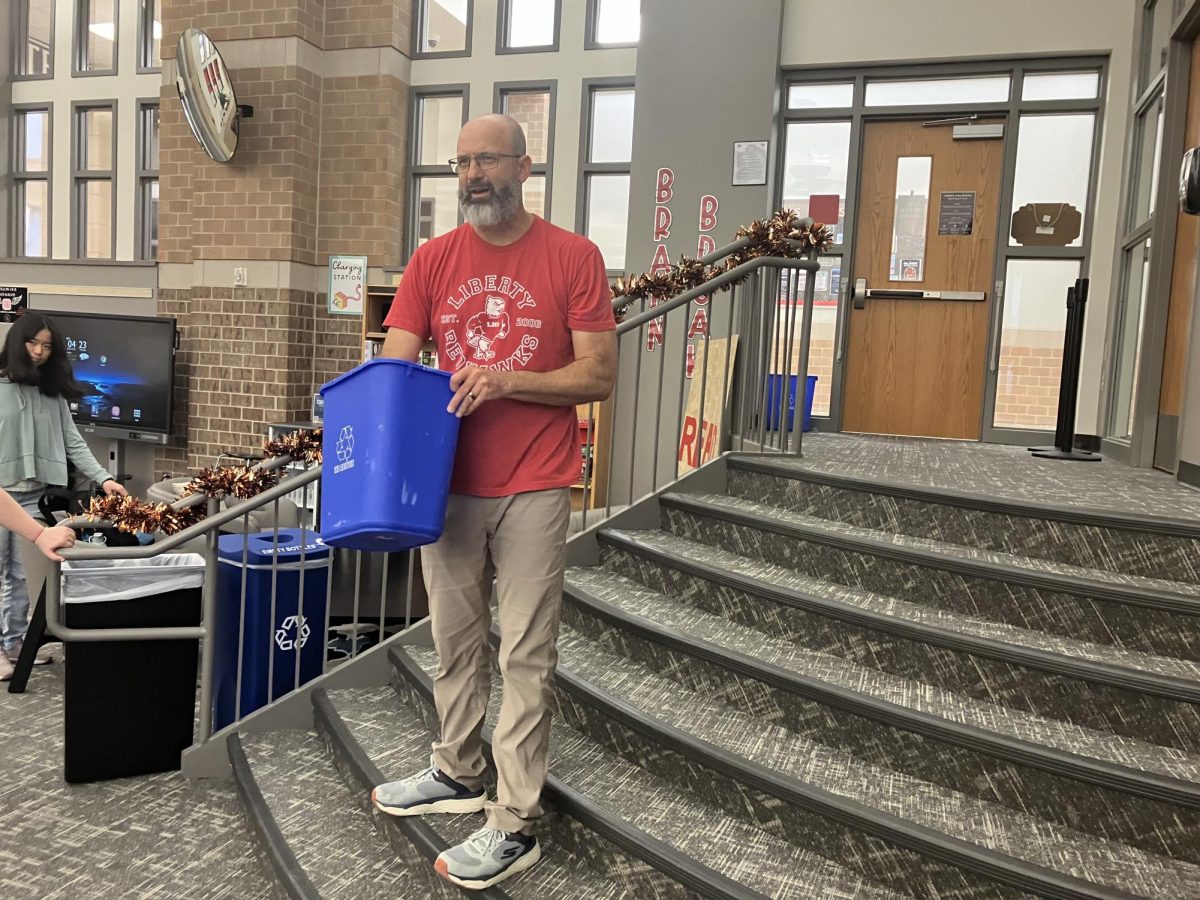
[812, 686]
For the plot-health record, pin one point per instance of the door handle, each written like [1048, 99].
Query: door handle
[862, 294]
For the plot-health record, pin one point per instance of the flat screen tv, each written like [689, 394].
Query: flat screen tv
[126, 367]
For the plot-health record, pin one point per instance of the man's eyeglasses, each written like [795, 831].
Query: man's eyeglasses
[485, 161]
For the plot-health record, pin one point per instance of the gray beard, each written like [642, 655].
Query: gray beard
[504, 204]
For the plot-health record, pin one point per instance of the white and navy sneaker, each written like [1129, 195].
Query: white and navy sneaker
[429, 792]
[487, 857]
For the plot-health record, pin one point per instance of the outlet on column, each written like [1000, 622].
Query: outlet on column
[239, 276]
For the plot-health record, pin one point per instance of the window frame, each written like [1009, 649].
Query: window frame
[21, 37]
[81, 177]
[500, 91]
[146, 36]
[504, 19]
[144, 178]
[587, 168]
[589, 34]
[419, 12]
[21, 177]
[417, 170]
[79, 41]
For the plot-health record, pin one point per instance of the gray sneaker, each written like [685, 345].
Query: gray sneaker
[429, 792]
[487, 857]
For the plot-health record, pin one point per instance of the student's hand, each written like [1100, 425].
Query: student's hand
[54, 538]
[112, 486]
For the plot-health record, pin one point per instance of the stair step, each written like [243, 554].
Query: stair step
[1111, 787]
[1097, 868]
[397, 742]
[926, 547]
[331, 839]
[1153, 546]
[762, 862]
[1124, 616]
[1134, 695]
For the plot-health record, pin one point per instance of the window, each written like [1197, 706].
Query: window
[816, 161]
[35, 32]
[1053, 169]
[607, 150]
[443, 27]
[613, 23]
[31, 182]
[96, 36]
[1061, 86]
[918, 92]
[94, 231]
[527, 25]
[438, 115]
[147, 176]
[533, 107]
[150, 34]
[830, 95]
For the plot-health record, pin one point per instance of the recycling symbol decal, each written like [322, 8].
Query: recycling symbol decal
[345, 443]
[293, 633]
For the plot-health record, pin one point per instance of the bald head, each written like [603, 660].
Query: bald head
[504, 132]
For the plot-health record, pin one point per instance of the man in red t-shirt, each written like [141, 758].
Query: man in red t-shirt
[522, 316]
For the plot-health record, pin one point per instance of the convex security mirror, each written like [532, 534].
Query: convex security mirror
[207, 95]
[1189, 183]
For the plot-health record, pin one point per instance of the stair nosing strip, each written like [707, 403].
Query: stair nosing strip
[950, 497]
[1103, 773]
[657, 854]
[1079, 586]
[421, 835]
[285, 865]
[921, 839]
[1109, 674]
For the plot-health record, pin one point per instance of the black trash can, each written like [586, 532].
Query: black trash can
[129, 706]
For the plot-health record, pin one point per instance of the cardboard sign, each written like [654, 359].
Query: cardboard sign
[701, 437]
[1046, 224]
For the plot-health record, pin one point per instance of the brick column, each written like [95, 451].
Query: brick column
[319, 169]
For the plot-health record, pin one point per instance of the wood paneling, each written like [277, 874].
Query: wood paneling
[916, 367]
[1183, 272]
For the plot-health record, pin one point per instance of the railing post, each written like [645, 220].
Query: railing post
[208, 622]
[810, 293]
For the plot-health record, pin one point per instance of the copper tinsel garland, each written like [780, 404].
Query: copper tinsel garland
[769, 237]
[243, 482]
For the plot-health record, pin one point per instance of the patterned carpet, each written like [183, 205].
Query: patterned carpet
[999, 471]
[149, 838]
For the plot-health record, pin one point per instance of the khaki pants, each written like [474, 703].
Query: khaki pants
[520, 539]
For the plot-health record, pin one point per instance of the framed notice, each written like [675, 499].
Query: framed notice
[749, 162]
[957, 213]
[347, 281]
[13, 303]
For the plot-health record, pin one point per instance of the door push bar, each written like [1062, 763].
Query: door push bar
[862, 294]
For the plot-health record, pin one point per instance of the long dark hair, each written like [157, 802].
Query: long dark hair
[54, 377]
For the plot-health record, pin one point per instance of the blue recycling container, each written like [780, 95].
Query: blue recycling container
[269, 645]
[774, 383]
[388, 453]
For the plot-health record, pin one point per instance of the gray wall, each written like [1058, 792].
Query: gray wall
[707, 83]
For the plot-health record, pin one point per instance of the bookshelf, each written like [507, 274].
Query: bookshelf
[595, 428]
[375, 309]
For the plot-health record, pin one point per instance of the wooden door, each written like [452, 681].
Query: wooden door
[916, 366]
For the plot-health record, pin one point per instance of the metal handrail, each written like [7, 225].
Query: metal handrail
[209, 527]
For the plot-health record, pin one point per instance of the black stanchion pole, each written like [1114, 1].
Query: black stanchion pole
[1068, 388]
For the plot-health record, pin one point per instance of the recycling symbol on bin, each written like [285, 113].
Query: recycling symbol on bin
[293, 633]
[345, 443]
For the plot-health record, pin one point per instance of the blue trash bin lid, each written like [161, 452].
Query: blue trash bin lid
[262, 547]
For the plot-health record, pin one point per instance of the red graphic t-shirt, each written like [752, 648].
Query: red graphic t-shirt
[509, 308]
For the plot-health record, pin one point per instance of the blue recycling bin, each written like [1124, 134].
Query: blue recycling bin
[774, 384]
[269, 645]
[388, 453]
